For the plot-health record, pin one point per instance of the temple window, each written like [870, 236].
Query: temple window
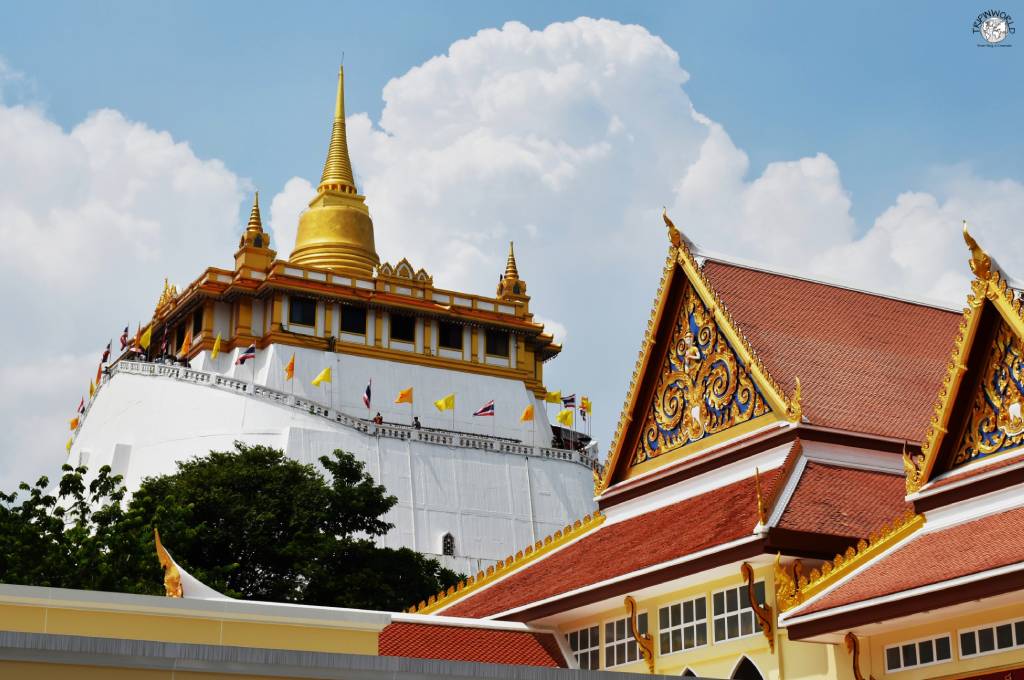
[403, 328]
[586, 645]
[992, 638]
[448, 545]
[496, 343]
[302, 311]
[733, 616]
[197, 322]
[683, 625]
[619, 644]
[449, 335]
[916, 653]
[353, 320]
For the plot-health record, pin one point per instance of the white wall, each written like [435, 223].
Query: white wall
[493, 503]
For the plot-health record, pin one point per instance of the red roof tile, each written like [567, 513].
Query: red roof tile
[982, 544]
[842, 501]
[461, 643]
[867, 363]
[714, 518]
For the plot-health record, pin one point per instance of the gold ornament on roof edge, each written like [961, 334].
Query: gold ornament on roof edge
[172, 578]
[704, 388]
[981, 263]
[911, 471]
[169, 293]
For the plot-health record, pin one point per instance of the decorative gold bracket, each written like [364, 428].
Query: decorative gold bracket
[763, 612]
[172, 578]
[643, 640]
[853, 647]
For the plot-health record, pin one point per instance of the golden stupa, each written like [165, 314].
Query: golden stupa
[336, 232]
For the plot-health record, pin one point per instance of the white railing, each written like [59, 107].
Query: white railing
[390, 430]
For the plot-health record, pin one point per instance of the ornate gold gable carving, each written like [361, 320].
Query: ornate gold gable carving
[704, 386]
[996, 420]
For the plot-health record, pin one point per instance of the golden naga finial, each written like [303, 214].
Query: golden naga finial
[762, 512]
[255, 223]
[643, 640]
[911, 471]
[795, 409]
[981, 263]
[673, 234]
[337, 173]
[168, 294]
[598, 481]
[172, 578]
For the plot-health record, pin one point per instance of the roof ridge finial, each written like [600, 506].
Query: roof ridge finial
[511, 271]
[981, 263]
[255, 222]
[337, 173]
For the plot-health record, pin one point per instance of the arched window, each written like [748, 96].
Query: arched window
[746, 670]
[447, 544]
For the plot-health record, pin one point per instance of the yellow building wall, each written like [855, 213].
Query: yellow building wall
[791, 660]
[186, 629]
[873, 648]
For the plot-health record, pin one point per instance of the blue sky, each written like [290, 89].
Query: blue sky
[889, 90]
[841, 141]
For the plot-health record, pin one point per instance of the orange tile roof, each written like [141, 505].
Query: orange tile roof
[726, 514]
[926, 558]
[975, 469]
[842, 501]
[866, 363]
[463, 643]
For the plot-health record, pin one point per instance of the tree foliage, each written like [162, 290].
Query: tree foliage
[250, 523]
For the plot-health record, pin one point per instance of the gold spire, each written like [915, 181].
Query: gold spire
[510, 266]
[338, 168]
[336, 232]
[255, 223]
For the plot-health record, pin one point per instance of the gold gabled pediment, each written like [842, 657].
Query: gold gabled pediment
[980, 409]
[704, 387]
[697, 381]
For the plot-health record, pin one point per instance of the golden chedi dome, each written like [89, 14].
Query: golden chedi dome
[336, 232]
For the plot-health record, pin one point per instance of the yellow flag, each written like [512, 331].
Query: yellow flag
[404, 397]
[146, 338]
[585, 405]
[92, 389]
[324, 376]
[553, 397]
[67, 446]
[74, 423]
[527, 414]
[445, 403]
[289, 371]
[565, 417]
[186, 344]
[216, 347]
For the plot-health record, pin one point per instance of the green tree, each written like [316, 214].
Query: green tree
[249, 522]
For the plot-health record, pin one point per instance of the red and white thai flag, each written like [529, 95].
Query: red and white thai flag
[81, 406]
[485, 410]
[124, 338]
[366, 395]
[106, 353]
[249, 353]
[569, 402]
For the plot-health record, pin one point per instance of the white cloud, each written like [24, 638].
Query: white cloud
[91, 220]
[571, 138]
[284, 214]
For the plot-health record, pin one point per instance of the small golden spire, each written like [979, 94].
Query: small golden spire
[172, 577]
[511, 272]
[338, 168]
[255, 223]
